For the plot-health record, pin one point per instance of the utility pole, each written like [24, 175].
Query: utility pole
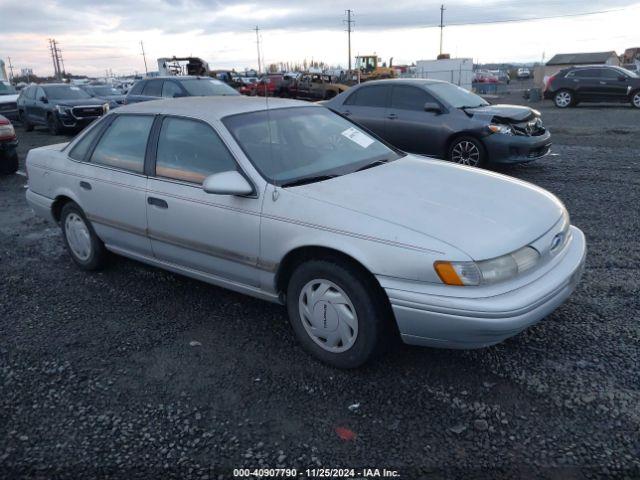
[56, 67]
[442, 9]
[59, 59]
[258, 46]
[145, 58]
[10, 71]
[349, 22]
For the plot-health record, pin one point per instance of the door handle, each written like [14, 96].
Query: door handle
[392, 116]
[85, 185]
[158, 202]
[603, 83]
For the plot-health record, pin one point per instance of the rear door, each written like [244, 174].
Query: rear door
[586, 83]
[367, 106]
[209, 233]
[112, 183]
[408, 126]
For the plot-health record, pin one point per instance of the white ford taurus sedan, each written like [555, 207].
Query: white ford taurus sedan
[289, 202]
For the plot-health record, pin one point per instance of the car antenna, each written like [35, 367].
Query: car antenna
[275, 193]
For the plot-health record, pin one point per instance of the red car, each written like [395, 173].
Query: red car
[269, 85]
[8, 144]
[485, 76]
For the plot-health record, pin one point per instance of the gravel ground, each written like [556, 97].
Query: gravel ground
[134, 372]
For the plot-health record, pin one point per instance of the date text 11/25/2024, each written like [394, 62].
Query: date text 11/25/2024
[347, 473]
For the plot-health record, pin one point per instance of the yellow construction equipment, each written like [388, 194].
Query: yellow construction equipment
[370, 67]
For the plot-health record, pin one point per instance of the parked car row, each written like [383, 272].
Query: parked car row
[293, 203]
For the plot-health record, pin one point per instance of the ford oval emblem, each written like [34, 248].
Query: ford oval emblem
[556, 242]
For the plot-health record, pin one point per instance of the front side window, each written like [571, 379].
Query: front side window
[124, 143]
[611, 74]
[40, 94]
[153, 88]
[137, 88]
[190, 150]
[290, 144]
[373, 96]
[409, 98]
[588, 73]
[207, 87]
[170, 89]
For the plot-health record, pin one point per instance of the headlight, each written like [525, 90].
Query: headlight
[105, 107]
[499, 128]
[62, 110]
[487, 271]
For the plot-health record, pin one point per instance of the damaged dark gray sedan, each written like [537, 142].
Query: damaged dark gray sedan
[442, 120]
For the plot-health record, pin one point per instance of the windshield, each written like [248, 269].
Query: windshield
[64, 92]
[290, 144]
[104, 91]
[456, 96]
[206, 87]
[6, 89]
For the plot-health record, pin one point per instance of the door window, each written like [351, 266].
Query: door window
[170, 89]
[80, 149]
[588, 73]
[610, 74]
[137, 88]
[190, 150]
[124, 144]
[374, 96]
[409, 98]
[40, 94]
[153, 88]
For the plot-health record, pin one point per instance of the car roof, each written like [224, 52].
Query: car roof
[178, 77]
[403, 81]
[213, 108]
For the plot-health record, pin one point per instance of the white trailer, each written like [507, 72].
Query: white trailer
[455, 70]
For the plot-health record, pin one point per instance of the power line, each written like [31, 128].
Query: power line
[349, 23]
[528, 19]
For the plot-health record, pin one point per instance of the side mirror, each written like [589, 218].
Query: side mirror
[227, 183]
[622, 78]
[432, 107]
[43, 99]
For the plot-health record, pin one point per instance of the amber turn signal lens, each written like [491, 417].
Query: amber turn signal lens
[447, 273]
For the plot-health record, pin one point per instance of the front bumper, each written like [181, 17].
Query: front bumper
[69, 121]
[516, 148]
[429, 318]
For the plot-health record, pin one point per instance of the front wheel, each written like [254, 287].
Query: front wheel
[635, 99]
[468, 151]
[53, 124]
[82, 243]
[337, 314]
[563, 99]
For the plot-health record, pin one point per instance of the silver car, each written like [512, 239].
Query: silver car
[289, 202]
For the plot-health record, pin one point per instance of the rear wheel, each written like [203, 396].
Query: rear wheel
[10, 165]
[563, 99]
[635, 99]
[468, 151]
[338, 315]
[53, 124]
[84, 246]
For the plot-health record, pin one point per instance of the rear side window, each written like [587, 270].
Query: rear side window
[373, 96]
[409, 98]
[153, 88]
[80, 149]
[587, 73]
[170, 89]
[137, 88]
[189, 150]
[124, 143]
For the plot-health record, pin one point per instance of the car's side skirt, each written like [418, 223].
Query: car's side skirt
[198, 275]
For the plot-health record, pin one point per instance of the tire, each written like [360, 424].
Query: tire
[53, 124]
[468, 151]
[10, 165]
[84, 246]
[28, 127]
[564, 98]
[635, 99]
[350, 295]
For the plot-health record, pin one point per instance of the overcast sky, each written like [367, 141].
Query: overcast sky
[96, 35]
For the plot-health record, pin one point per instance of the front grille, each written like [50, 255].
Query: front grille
[8, 107]
[87, 112]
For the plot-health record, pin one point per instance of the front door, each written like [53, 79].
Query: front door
[408, 126]
[614, 84]
[112, 184]
[214, 234]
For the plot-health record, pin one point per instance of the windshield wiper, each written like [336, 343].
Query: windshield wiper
[375, 163]
[306, 180]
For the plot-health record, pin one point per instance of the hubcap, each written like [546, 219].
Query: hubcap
[563, 99]
[78, 236]
[636, 100]
[466, 153]
[328, 316]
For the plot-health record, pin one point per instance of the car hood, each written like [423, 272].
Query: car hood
[74, 103]
[513, 113]
[480, 213]
[112, 98]
[9, 98]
